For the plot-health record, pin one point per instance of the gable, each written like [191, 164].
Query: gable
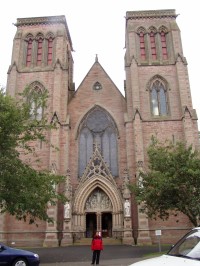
[97, 80]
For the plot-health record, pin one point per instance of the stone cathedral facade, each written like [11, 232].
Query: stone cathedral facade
[102, 134]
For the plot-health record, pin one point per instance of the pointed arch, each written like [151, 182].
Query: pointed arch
[50, 35]
[98, 127]
[37, 86]
[90, 110]
[137, 112]
[36, 97]
[97, 86]
[152, 29]
[142, 42]
[86, 189]
[39, 35]
[157, 77]
[152, 36]
[163, 39]
[49, 47]
[141, 29]
[186, 110]
[158, 92]
[28, 36]
[39, 46]
[28, 49]
[163, 28]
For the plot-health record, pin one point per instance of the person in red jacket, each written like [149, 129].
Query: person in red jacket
[96, 247]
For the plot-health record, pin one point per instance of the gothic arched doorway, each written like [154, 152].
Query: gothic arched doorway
[97, 201]
[98, 210]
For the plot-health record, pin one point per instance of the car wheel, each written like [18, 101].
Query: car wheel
[20, 262]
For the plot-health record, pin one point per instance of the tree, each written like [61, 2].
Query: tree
[172, 182]
[25, 192]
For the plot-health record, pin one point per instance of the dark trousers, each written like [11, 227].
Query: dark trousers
[96, 256]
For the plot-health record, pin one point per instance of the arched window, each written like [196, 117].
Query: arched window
[36, 98]
[164, 45]
[142, 46]
[29, 41]
[98, 128]
[49, 48]
[142, 43]
[50, 51]
[97, 86]
[153, 45]
[39, 50]
[158, 96]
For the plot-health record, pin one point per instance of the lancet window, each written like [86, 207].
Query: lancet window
[98, 128]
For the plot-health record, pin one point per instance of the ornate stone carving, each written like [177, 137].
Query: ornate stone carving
[68, 186]
[127, 208]
[167, 13]
[97, 201]
[67, 209]
[126, 190]
[97, 166]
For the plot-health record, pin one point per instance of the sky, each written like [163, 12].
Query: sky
[98, 27]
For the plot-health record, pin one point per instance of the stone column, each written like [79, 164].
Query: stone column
[128, 236]
[99, 224]
[51, 233]
[67, 213]
[67, 233]
[143, 227]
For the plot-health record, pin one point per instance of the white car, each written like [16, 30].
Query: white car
[185, 252]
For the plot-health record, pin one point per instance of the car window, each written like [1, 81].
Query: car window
[188, 246]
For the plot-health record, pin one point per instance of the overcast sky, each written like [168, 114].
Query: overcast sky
[98, 27]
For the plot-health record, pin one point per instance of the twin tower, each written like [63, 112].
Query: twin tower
[102, 134]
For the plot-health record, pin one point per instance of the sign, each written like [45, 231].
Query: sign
[158, 232]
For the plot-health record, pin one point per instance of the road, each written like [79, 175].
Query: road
[81, 255]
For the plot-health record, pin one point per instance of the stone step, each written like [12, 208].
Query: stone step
[106, 241]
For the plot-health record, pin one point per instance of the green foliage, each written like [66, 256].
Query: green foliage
[172, 182]
[17, 128]
[24, 192]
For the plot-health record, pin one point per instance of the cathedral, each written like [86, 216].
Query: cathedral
[103, 135]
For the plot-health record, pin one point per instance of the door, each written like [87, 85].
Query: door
[91, 224]
[106, 224]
